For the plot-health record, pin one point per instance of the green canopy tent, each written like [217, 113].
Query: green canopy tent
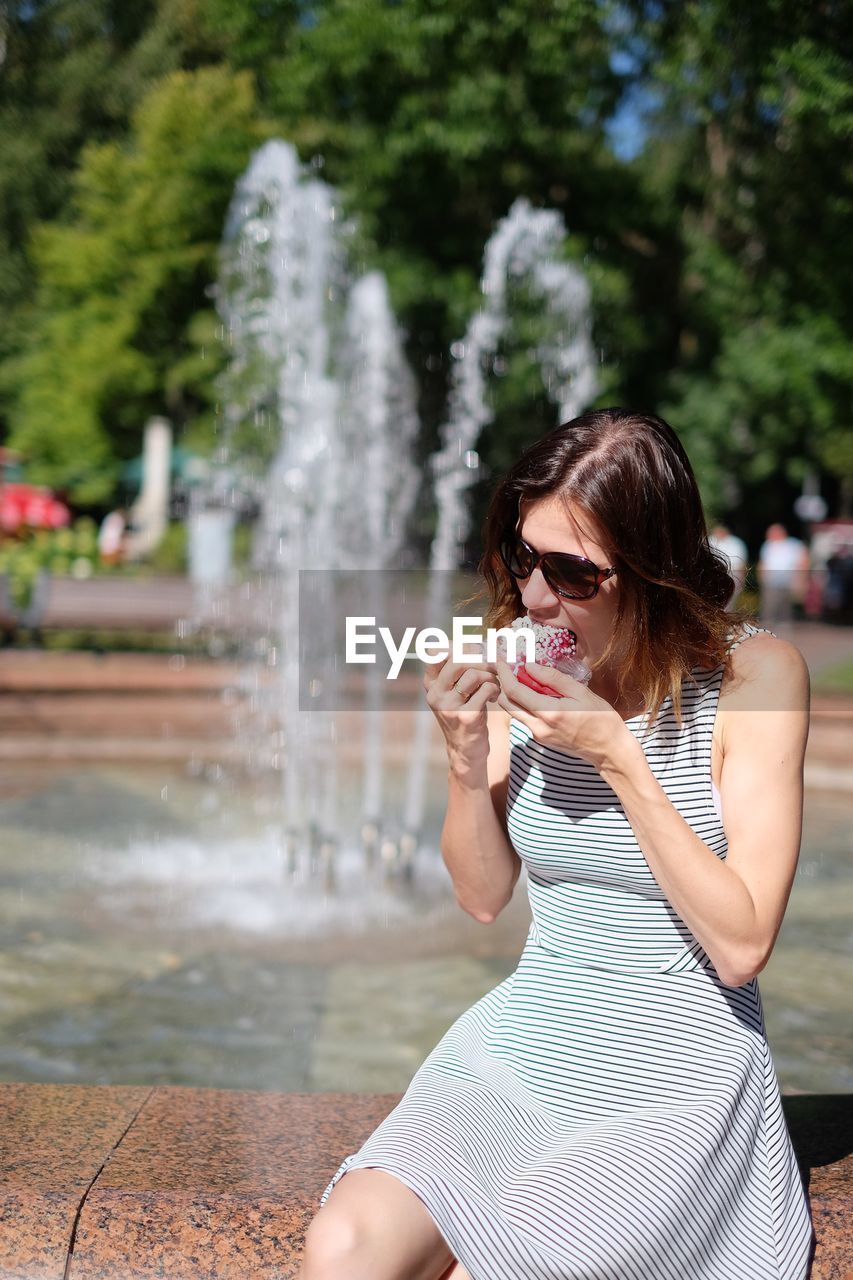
[186, 469]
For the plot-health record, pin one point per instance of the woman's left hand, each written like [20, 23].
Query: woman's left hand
[579, 722]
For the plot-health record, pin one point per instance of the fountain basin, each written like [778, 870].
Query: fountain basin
[153, 934]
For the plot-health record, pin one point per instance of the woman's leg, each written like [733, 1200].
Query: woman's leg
[373, 1227]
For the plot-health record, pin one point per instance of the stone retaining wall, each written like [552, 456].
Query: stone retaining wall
[102, 1182]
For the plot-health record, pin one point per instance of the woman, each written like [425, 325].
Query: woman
[611, 1109]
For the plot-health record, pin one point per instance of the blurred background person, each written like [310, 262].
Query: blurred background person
[783, 564]
[838, 592]
[111, 536]
[734, 549]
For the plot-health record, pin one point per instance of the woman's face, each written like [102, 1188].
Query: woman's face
[546, 526]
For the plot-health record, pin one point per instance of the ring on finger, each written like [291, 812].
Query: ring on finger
[463, 693]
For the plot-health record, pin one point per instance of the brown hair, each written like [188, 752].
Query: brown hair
[630, 474]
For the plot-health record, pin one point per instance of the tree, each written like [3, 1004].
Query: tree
[431, 118]
[752, 134]
[120, 314]
[72, 72]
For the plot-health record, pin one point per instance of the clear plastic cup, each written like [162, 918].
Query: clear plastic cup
[576, 668]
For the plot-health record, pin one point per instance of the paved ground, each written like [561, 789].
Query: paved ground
[821, 645]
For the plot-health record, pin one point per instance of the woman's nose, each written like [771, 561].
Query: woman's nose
[537, 593]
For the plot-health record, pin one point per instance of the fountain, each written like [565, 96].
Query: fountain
[165, 926]
[525, 250]
[319, 407]
[318, 396]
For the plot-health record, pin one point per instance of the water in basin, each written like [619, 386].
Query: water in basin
[152, 935]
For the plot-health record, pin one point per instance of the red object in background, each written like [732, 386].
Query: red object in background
[524, 677]
[31, 506]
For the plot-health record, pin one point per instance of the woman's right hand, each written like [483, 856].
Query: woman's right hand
[457, 694]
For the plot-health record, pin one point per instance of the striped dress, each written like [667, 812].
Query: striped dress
[610, 1111]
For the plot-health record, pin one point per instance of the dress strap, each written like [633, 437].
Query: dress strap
[748, 629]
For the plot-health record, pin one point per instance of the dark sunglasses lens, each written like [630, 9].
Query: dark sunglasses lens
[563, 573]
[515, 557]
[576, 580]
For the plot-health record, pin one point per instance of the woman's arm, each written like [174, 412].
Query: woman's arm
[475, 846]
[734, 908]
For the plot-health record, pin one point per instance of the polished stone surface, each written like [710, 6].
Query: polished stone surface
[212, 1184]
[821, 1127]
[54, 1141]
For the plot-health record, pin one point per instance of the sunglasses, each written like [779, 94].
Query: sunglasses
[574, 577]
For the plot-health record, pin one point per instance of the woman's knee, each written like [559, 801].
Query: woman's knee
[374, 1228]
[335, 1242]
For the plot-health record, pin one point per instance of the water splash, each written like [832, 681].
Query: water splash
[381, 425]
[526, 249]
[319, 396]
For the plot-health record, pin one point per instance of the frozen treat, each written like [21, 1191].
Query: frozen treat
[555, 647]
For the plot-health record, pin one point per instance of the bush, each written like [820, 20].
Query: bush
[170, 554]
[72, 550]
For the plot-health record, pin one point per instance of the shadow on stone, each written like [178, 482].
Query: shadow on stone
[821, 1127]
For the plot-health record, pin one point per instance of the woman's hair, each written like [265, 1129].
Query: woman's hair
[629, 475]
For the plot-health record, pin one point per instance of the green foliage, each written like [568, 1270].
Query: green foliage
[73, 550]
[170, 554]
[835, 680]
[431, 120]
[254, 34]
[773, 397]
[754, 122]
[242, 546]
[722, 295]
[68, 640]
[116, 330]
[73, 70]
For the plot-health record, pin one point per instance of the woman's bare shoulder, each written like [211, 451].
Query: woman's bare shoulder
[768, 673]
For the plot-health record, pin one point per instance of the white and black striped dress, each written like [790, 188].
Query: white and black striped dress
[610, 1111]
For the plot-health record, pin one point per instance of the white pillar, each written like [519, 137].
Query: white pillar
[149, 514]
[210, 536]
